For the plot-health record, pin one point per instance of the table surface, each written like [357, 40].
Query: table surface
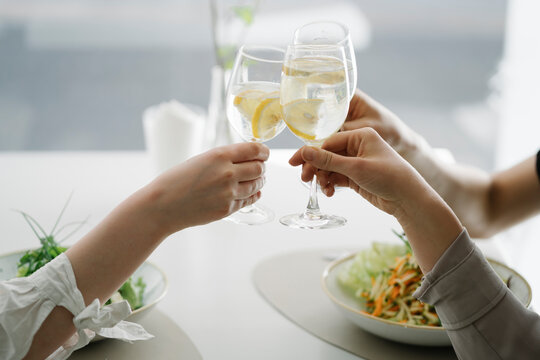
[211, 295]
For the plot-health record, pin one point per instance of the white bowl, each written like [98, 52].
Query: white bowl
[352, 307]
[154, 277]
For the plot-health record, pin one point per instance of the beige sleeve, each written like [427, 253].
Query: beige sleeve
[483, 318]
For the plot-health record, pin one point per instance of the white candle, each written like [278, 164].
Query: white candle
[173, 133]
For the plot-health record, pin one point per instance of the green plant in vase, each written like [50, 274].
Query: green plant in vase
[230, 22]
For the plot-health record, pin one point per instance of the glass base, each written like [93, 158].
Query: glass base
[313, 222]
[252, 215]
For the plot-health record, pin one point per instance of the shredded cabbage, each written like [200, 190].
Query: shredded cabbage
[369, 263]
[384, 277]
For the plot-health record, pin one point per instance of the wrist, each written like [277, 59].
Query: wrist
[149, 206]
[430, 224]
[415, 148]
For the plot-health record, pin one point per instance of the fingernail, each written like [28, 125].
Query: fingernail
[309, 153]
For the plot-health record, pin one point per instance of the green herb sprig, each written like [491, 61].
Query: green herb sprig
[32, 260]
[403, 237]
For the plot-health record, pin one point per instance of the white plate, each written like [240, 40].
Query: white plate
[351, 307]
[154, 277]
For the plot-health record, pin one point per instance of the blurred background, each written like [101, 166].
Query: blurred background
[77, 74]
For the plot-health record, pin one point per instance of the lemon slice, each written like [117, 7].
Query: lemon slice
[321, 70]
[302, 116]
[329, 78]
[247, 101]
[267, 117]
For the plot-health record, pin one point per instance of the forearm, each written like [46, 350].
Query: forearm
[514, 195]
[486, 204]
[429, 223]
[118, 245]
[465, 189]
[56, 330]
[101, 262]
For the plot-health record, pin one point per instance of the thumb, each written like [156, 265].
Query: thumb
[326, 160]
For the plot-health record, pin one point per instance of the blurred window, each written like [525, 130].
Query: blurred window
[77, 74]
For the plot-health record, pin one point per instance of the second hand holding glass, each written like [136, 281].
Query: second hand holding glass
[314, 101]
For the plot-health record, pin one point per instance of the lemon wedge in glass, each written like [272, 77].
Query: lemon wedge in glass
[247, 101]
[302, 116]
[263, 109]
[266, 118]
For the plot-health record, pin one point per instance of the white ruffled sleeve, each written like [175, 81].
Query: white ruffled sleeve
[26, 302]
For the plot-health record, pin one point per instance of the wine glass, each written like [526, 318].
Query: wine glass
[315, 100]
[254, 110]
[330, 32]
[327, 33]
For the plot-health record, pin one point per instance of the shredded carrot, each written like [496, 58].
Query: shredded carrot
[390, 296]
[395, 292]
[378, 306]
[400, 264]
[392, 279]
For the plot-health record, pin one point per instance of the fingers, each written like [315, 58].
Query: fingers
[246, 152]
[249, 170]
[323, 177]
[297, 159]
[328, 190]
[337, 143]
[330, 180]
[358, 106]
[238, 204]
[359, 123]
[246, 189]
[335, 179]
[307, 172]
[325, 160]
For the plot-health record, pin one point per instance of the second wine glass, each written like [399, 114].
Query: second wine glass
[253, 108]
[330, 32]
[315, 101]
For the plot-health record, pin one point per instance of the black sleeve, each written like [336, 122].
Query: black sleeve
[538, 165]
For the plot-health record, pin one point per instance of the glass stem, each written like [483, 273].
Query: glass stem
[312, 211]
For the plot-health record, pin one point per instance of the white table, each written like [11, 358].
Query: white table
[211, 295]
